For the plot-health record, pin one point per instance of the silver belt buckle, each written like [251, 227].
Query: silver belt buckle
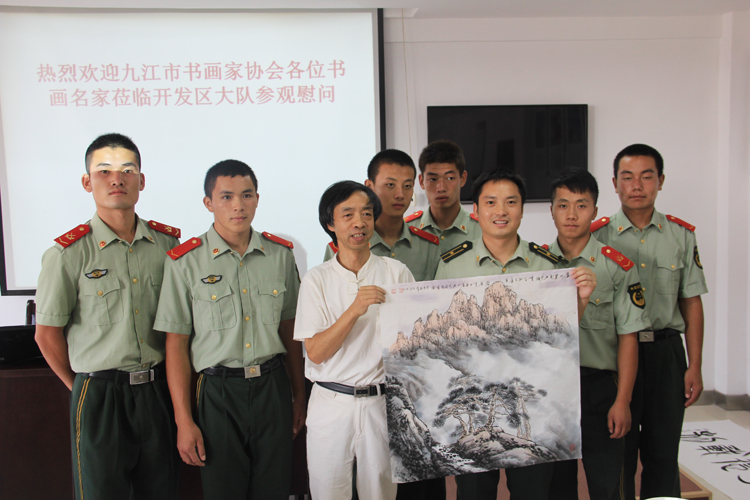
[252, 371]
[646, 336]
[143, 377]
[361, 391]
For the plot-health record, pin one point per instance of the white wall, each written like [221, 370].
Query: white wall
[731, 351]
[652, 80]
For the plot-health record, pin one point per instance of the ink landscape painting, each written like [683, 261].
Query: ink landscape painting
[481, 373]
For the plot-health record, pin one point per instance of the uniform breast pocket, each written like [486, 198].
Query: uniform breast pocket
[598, 313]
[214, 307]
[101, 302]
[271, 300]
[668, 275]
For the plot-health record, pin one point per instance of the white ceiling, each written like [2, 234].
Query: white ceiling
[426, 9]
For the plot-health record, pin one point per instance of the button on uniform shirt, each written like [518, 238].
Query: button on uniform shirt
[104, 292]
[464, 228]
[419, 255]
[326, 293]
[611, 310]
[668, 262]
[479, 262]
[234, 302]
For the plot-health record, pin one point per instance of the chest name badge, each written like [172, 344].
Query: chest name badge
[96, 273]
[211, 279]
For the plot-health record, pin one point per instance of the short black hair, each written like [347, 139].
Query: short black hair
[338, 193]
[227, 168]
[576, 180]
[112, 141]
[442, 151]
[389, 157]
[640, 150]
[497, 176]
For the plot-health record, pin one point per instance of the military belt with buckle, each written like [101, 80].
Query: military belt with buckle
[132, 378]
[653, 336]
[251, 371]
[358, 391]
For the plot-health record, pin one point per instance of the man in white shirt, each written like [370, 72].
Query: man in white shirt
[346, 413]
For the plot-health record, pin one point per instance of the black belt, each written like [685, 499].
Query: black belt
[653, 336]
[132, 378]
[248, 371]
[358, 391]
[589, 372]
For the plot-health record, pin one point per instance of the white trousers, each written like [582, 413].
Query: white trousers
[340, 429]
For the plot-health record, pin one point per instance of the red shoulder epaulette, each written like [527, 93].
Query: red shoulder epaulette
[474, 216]
[73, 235]
[333, 247]
[415, 215]
[425, 235]
[181, 250]
[276, 239]
[681, 222]
[163, 228]
[619, 258]
[599, 223]
[545, 246]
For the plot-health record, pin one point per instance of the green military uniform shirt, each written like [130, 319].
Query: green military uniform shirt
[666, 255]
[104, 291]
[463, 228]
[234, 302]
[478, 261]
[615, 307]
[416, 253]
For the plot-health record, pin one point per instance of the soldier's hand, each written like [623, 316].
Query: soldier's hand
[299, 413]
[190, 445]
[693, 386]
[585, 282]
[366, 296]
[619, 420]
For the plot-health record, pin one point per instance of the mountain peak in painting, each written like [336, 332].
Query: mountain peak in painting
[502, 320]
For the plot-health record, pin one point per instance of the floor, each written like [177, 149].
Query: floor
[706, 413]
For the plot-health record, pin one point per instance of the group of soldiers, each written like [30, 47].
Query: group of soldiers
[126, 315]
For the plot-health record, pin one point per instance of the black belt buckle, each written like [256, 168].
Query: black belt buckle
[366, 391]
[144, 377]
[646, 336]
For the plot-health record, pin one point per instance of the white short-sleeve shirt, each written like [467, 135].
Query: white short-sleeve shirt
[325, 294]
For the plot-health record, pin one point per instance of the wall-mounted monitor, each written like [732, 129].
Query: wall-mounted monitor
[536, 141]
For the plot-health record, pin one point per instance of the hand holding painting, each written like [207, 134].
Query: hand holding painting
[366, 296]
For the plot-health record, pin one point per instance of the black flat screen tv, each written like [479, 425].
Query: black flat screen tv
[535, 141]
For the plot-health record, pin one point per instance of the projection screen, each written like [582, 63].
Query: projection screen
[293, 94]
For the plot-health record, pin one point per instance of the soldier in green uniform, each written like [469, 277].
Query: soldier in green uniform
[391, 174]
[498, 203]
[237, 290]
[608, 340]
[666, 253]
[96, 302]
[442, 174]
